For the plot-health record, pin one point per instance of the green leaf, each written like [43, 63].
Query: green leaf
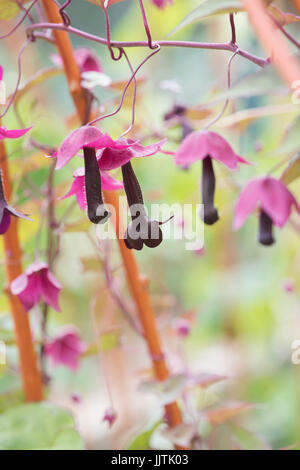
[290, 142]
[38, 426]
[142, 441]
[109, 341]
[8, 9]
[292, 172]
[210, 8]
[247, 440]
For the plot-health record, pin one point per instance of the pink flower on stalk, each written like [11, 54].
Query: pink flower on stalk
[207, 146]
[108, 183]
[6, 211]
[112, 153]
[274, 201]
[37, 283]
[86, 60]
[199, 145]
[102, 153]
[66, 348]
[12, 134]
[162, 3]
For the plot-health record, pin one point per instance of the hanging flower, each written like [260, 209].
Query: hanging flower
[6, 211]
[274, 202]
[102, 153]
[37, 283]
[142, 230]
[112, 153]
[90, 68]
[178, 115]
[108, 183]
[207, 146]
[66, 348]
[86, 60]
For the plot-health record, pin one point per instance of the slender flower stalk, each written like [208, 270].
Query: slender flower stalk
[146, 26]
[31, 378]
[137, 286]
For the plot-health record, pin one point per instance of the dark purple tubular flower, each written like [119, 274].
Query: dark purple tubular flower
[274, 201]
[102, 154]
[142, 230]
[95, 205]
[210, 215]
[207, 146]
[265, 232]
[7, 211]
[178, 113]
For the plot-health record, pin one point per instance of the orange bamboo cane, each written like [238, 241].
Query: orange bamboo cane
[137, 286]
[32, 382]
[297, 4]
[272, 40]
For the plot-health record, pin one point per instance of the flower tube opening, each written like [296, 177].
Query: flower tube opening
[142, 230]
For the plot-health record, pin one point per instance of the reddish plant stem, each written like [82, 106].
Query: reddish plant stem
[139, 290]
[107, 23]
[119, 44]
[136, 284]
[233, 31]
[286, 33]
[146, 25]
[272, 40]
[71, 69]
[297, 4]
[31, 378]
